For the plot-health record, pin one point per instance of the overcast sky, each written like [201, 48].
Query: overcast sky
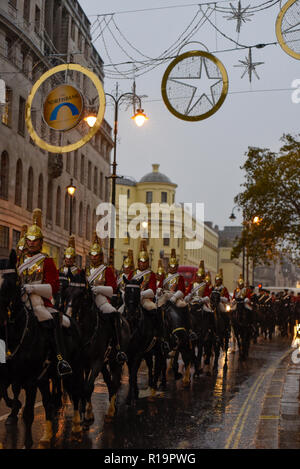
[203, 158]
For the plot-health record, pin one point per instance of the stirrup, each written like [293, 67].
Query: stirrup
[121, 358]
[63, 367]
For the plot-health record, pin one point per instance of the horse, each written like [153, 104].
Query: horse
[241, 319]
[178, 338]
[268, 319]
[203, 326]
[29, 364]
[98, 350]
[144, 342]
[222, 327]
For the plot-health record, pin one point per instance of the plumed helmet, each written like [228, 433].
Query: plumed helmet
[35, 230]
[128, 261]
[160, 267]
[219, 276]
[173, 262]
[208, 277]
[95, 248]
[70, 251]
[240, 280]
[143, 254]
[22, 240]
[201, 270]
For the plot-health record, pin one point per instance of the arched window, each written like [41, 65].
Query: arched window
[88, 223]
[40, 192]
[19, 178]
[101, 188]
[95, 180]
[49, 200]
[58, 207]
[4, 175]
[30, 187]
[80, 220]
[74, 215]
[67, 212]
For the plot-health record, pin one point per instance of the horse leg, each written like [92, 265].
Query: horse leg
[175, 366]
[14, 404]
[149, 362]
[28, 414]
[217, 353]
[163, 372]
[208, 344]
[44, 388]
[73, 385]
[115, 383]
[133, 387]
[186, 356]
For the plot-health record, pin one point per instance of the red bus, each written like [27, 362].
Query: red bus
[188, 272]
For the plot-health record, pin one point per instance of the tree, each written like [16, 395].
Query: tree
[272, 193]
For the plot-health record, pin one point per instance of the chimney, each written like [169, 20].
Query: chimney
[155, 168]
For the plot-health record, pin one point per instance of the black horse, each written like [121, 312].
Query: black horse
[179, 340]
[30, 364]
[144, 342]
[222, 329]
[241, 319]
[203, 325]
[98, 345]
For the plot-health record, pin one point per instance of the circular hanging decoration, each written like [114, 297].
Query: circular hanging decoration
[195, 85]
[63, 108]
[288, 28]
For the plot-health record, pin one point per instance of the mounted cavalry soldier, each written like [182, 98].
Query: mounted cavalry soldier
[208, 284]
[242, 292]
[21, 246]
[224, 294]
[102, 281]
[69, 260]
[160, 276]
[197, 291]
[127, 272]
[173, 285]
[148, 286]
[40, 280]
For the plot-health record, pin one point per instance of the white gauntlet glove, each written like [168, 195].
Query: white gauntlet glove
[101, 289]
[41, 289]
[176, 296]
[147, 294]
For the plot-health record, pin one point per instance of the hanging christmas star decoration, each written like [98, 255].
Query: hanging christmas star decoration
[249, 65]
[240, 15]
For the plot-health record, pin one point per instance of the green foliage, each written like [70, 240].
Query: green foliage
[271, 192]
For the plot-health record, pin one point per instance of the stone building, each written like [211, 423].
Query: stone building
[36, 35]
[157, 188]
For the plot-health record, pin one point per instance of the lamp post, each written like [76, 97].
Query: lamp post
[232, 218]
[71, 191]
[139, 117]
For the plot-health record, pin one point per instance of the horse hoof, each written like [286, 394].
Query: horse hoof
[11, 420]
[177, 376]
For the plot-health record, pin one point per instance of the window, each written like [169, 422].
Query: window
[8, 47]
[21, 121]
[58, 207]
[37, 20]
[26, 11]
[49, 200]
[89, 175]
[80, 220]
[101, 187]
[13, 3]
[164, 197]
[95, 180]
[166, 241]
[94, 220]
[4, 237]
[82, 170]
[75, 164]
[18, 188]
[88, 223]
[15, 238]
[73, 221]
[30, 190]
[72, 29]
[67, 212]
[40, 192]
[128, 193]
[148, 197]
[7, 109]
[4, 175]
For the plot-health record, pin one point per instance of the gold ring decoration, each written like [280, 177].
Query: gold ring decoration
[287, 25]
[181, 98]
[93, 130]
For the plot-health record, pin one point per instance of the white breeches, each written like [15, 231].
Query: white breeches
[148, 304]
[42, 312]
[103, 304]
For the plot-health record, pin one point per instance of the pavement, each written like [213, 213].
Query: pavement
[279, 423]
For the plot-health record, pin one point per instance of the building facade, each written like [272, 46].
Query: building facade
[157, 188]
[36, 35]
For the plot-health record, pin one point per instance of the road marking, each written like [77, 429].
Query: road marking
[249, 401]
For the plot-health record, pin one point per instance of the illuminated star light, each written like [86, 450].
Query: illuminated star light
[240, 15]
[203, 83]
[249, 66]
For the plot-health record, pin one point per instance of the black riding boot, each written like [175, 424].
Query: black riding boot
[121, 356]
[161, 332]
[56, 344]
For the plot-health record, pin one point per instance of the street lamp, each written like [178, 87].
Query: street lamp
[232, 218]
[71, 191]
[139, 117]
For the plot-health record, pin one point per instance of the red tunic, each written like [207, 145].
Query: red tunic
[51, 276]
[110, 279]
[149, 280]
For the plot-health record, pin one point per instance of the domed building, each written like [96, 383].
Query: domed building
[152, 213]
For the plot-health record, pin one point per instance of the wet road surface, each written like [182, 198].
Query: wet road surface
[221, 411]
